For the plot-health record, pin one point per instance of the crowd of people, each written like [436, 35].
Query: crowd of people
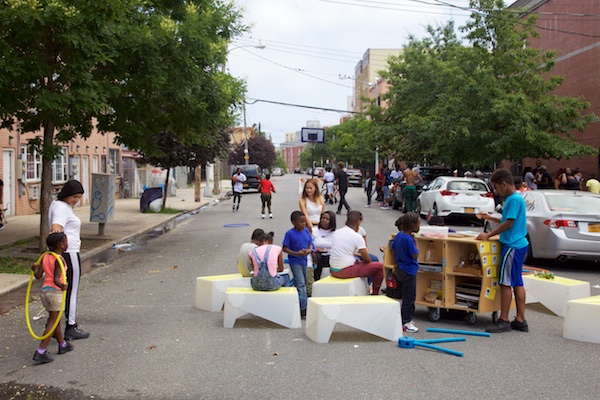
[564, 179]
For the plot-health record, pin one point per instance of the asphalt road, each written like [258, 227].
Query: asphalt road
[149, 342]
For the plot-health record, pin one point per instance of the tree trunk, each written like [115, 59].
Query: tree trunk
[46, 197]
[197, 174]
[166, 189]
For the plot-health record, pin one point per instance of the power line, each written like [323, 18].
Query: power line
[301, 106]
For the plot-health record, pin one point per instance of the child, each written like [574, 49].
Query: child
[266, 187]
[513, 237]
[298, 244]
[51, 295]
[238, 180]
[271, 255]
[405, 255]
[369, 189]
[244, 263]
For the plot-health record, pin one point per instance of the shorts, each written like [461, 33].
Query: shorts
[52, 300]
[330, 188]
[511, 266]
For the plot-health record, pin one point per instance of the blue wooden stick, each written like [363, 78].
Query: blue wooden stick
[438, 348]
[459, 332]
[442, 340]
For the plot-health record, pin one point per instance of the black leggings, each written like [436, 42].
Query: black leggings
[409, 292]
[265, 198]
[237, 195]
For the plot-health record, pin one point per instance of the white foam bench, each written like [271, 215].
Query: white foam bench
[330, 286]
[377, 315]
[582, 321]
[210, 290]
[280, 306]
[555, 293]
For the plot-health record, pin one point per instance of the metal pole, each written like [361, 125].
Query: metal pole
[246, 155]
[376, 145]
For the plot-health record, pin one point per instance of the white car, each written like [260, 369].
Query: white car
[449, 196]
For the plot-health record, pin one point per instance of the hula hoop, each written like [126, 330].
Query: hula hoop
[64, 296]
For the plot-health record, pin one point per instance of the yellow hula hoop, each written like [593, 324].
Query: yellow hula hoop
[64, 296]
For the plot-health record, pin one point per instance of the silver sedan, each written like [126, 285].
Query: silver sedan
[563, 224]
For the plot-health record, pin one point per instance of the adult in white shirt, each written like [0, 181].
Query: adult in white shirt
[346, 242]
[238, 187]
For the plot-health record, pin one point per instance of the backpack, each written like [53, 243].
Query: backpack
[263, 281]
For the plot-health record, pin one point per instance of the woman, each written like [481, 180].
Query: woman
[311, 203]
[63, 219]
[322, 240]
[568, 180]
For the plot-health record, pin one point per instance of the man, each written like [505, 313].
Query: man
[396, 174]
[410, 190]
[592, 184]
[543, 179]
[238, 180]
[341, 180]
[347, 242]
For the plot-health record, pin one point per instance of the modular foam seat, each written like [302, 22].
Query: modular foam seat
[330, 286]
[555, 293]
[280, 306]
[210, 290]
[582, 320]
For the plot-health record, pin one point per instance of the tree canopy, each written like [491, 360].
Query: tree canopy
[260, 150]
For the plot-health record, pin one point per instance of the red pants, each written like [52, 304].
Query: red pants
[363, 270]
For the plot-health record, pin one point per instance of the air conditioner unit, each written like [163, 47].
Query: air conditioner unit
[35, 192]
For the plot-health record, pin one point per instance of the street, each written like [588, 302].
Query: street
[148, 341]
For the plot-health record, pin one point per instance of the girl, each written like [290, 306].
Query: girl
[323, 239]
[272, 257]
[51, 295]
[311, 203]
[405, 255]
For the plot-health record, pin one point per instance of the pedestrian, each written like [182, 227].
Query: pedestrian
[513, 237]
[51, 295]
[369, 189]
[244, 263]
[266, 187]
[63, 219]
[396, 174]
[322, 235]
[406, 253]
[568, 180]
[238, 179]
[267, 261]
[386, 189]
[379, 181]
[311, 203]
[341, 180]
[579, 177]
[329, 178]
[529, 178]
[297, 242]
[410, 189]
[592, 184]
[346, 243]
[543, 178]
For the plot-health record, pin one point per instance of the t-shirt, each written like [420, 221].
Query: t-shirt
[266, 186]
[530, 180]
[297, 240]
[328, 176]
[239, 185]
[346, 241]
[516, 236]
[49, 266]
[342, 179]
[244, 263]
[322, 239]
[396, 175]
[593, 185]
[405, 250]
[271, 262]
[62, 214]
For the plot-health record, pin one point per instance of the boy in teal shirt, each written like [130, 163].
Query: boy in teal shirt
[513, 237]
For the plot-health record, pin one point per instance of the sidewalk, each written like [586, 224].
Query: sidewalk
[128, 222]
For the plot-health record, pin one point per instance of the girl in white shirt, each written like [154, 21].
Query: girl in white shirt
[323, 239]
[311, 203]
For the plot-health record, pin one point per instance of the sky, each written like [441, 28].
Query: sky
[310, 44]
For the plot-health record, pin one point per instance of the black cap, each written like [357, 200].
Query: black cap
[69, 189]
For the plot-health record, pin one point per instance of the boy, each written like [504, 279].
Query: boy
[238, 180]
[244, 263]
[266, 187]
[369, 188]
[298, 244]
[513, 237]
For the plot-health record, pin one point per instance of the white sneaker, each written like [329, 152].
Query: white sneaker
[410, 327]
[367, 205]
[263, 216]
[270, 215]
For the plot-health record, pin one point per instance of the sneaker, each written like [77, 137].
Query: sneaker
[42, 358]
[233, 209]
[410, 327]
[270, 215]
[367, 205]
[237, 208]
[519, 326]
[385, 208]
[499, 326]
[263, 216]
[65, 349]
[338, 212]
[73, 333]
[302, 314]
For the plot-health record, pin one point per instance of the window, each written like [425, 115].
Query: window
[103, 164]
[59, 167]
[113, 161]
[33, 164]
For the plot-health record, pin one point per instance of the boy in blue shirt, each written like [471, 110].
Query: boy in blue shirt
[513, 237]
[297, 242]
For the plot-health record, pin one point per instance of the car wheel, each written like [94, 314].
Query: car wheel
[435, 209]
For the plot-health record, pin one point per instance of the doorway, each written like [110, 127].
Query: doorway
[8, 177]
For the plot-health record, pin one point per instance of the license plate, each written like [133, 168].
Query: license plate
[469, 210]
[246, 185]
[594, 228]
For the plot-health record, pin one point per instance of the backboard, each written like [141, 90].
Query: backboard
[316, 135]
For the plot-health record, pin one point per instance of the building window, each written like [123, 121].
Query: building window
[113, 161]
[103, 164]
[32, 166]
[59, 167]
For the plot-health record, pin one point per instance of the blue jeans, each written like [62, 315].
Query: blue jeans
[300, 278]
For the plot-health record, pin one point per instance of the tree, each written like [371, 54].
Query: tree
[137, 67]
[477, 105]
[354, 141]
[261, 151]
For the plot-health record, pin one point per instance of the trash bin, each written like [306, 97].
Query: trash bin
[148, 196]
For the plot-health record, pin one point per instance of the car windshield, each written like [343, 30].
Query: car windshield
[467, 185]
[573, 203]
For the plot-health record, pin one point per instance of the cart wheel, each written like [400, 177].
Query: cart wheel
[471, 318]
[494, 316]
[435, 314]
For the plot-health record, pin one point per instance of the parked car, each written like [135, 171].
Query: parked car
[297, 170]
[277, 172]
[309, 171]
[455, 196]
[563, 224]
[319, 171]
[253, 175]
[427, 173]
[354, 177]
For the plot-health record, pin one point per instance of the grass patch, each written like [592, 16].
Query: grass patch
[166, 210]
[14, 265]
